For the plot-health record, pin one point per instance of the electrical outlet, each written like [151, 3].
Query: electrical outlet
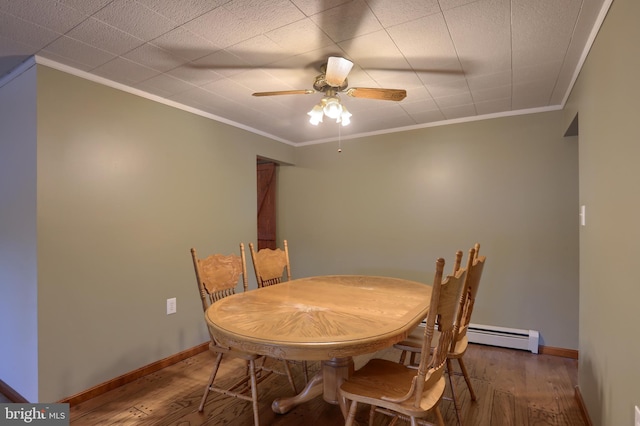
[171, 306]
[637, 416]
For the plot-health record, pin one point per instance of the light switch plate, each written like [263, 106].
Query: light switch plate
[171, 306]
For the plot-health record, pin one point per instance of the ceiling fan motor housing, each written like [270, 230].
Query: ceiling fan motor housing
[321, 85]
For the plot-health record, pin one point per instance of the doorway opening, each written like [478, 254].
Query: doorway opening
[266, 185]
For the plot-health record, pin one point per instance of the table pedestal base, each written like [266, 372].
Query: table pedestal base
[326, 382]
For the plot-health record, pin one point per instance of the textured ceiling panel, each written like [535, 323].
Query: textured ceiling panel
[457, 59]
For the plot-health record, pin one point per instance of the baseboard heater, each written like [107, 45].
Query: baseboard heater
[513, 338]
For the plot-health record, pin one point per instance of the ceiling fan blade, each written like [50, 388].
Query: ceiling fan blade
[285, 92]
[337, 70]
[375, 93]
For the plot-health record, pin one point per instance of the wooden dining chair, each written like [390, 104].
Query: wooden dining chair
[271, 266]
[460, 343]
[401, 391]
[218, 276]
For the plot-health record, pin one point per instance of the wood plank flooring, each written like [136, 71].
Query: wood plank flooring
[513, 388]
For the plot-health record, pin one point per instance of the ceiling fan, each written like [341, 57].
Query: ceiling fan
[333, 80]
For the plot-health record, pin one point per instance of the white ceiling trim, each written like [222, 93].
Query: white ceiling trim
[109, 83]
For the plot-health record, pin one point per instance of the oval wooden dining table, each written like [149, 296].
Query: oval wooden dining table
[323, 318]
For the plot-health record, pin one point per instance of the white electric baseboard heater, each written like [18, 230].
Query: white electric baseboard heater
[513, 338]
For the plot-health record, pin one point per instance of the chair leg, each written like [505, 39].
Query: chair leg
[372, 414]
[352, 414]
[439, 416]
[287, 370]
[211, 379]
[306, 372]
[456, 404]
[412, 358]
[403, 356]
[467, 379]
[254, 392]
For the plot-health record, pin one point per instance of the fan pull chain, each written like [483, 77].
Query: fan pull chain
[339, 140]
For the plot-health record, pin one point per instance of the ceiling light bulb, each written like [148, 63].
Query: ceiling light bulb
[345, 117]
[316, 115]
[332, 107]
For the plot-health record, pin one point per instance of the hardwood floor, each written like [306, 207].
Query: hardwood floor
[513, 387]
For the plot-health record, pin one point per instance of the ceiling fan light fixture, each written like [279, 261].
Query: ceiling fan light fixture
[345, 117]
[332, 107]
[316, 114]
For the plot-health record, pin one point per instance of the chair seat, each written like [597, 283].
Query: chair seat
[383, 378]
[413, 343]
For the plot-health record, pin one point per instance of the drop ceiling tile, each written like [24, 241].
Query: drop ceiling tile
[300, 37]
[221, 27]
[88, 7]
[426, 44]
[532, 94]
[481, 35]
[374, 50]
[454, 100]
[451, 88]
[10, 47]
[419, 93]
[311, 7]
[265, 16]
[223, 62]
[244, 84]
[493, 106]
[539, 71]
[450, 4]
[417, 51]
[53, 15]
[78, 52]
[484, 95]
[259, 51]
[488, 81]
[430, 116]
[124, 71]
[196, 97]
[419, 106]
[380, 117]
[394, 13]
[238, 21]
[542, 30]
[459, 111]
[164, 85]
[153, 57]
[407, 80]
[195, 75]
[25, 32]
[347, 21]
[135, 19]
[185, 44]
[103, 36]
[182, 10]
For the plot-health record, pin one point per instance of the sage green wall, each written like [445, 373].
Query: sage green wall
[18, 279]
[125, 187]
[606, 98]
[392, 204]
